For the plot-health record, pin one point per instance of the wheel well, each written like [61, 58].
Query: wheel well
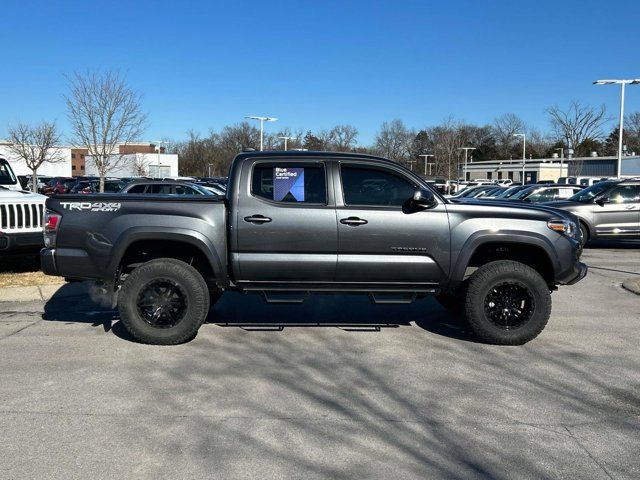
[586, 227]
[144, 250]
[531, 255]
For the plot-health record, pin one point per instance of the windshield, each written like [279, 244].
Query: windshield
[6, 174]
[524, 192]
[588, 194]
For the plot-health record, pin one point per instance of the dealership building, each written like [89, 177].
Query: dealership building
[138, 159]
[540, 169]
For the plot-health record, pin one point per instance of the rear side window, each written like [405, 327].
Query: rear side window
[162, 189]
[369, 186]
[186, 190]
[137, 189]
[290, 183]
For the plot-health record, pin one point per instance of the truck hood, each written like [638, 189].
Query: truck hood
[516, 208]
[564, 204]
[8, 195]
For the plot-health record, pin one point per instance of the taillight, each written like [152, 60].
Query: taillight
[51, 221]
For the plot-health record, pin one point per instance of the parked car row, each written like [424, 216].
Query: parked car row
[86, 185]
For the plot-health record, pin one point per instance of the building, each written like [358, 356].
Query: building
[79, 157]
[139, 159]
[540, 169]
[62, 168]
[156, 165]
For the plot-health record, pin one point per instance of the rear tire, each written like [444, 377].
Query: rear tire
[163, 302]
[507, 303]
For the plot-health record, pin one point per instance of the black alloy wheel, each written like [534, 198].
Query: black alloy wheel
[509, 305]
[162, 303]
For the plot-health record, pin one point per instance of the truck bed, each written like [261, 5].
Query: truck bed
[99, 228]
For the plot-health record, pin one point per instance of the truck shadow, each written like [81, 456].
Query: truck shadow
[251, 313]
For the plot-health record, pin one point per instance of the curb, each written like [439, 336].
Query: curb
[633, 285]
[42, 292]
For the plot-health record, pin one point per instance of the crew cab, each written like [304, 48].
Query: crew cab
[294, 223]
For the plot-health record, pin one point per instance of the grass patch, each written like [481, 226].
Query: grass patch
[22, 271]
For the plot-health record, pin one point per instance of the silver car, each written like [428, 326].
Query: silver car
[609, 209]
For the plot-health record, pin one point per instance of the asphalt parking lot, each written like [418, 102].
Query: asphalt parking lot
[347, 389]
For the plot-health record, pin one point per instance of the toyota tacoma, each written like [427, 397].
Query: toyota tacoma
[293, 223]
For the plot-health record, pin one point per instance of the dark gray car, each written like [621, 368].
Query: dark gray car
[609, 209]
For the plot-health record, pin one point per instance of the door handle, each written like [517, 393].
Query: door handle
[630, 207]
[353, 221]
[257, 219]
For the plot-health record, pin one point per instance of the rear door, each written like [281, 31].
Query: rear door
[380, 240]
[286, 222]
[620, 215]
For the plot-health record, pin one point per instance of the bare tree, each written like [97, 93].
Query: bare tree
[35, 145]
[344, 138]
[577, 124]
[504, 128]
[140, 166]
[394, 140]
[105, 114]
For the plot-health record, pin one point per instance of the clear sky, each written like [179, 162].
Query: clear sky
[315, 64]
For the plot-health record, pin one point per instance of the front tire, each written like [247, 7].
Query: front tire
[163, 302]
[507, 303]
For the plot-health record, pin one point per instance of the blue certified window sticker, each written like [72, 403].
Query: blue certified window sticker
[288, 184]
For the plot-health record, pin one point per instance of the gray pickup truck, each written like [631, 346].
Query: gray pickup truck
[298, 222]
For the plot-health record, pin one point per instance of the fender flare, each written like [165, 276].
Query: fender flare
[192, 237]
[483, 237]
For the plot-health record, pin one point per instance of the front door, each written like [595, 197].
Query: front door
[619, 216]
[286, 223]
[379, 239]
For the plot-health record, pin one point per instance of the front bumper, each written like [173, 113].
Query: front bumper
[20, 242]
[579, 272]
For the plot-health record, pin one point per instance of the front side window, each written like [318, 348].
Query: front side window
[625, 194]
[290, 183]
[370, 186]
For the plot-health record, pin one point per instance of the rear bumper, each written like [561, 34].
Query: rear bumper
[67, 262]
[20, 242]
[48, 261]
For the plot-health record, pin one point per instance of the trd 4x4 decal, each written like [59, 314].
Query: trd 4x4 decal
[91, 206]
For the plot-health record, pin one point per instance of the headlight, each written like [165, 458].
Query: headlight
[563, 226]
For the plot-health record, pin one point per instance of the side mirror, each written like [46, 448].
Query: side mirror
[602, 200]
[423, 198]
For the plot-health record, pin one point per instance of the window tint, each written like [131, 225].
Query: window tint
[625, 194]
[186, 190]
[369, 186]
[112, 187]
[290, 183]
[137, 189]
[162, 189]
[544, 195]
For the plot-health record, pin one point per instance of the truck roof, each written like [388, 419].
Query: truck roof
[309, 154]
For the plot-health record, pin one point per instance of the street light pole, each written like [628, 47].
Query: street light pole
[262, 120]
[285, 141]
[561, 159]
[426, 160]
[622, 84]
[524, 153]
[464, 169]
[159, 143]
